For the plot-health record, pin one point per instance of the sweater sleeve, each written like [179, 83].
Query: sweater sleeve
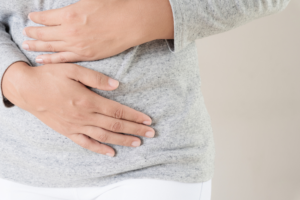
[195, 19]
[9, 54]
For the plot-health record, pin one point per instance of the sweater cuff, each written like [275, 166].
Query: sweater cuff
[195, 19]
[175, 45]
[11, 55]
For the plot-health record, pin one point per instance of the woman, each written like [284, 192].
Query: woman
[50, 139]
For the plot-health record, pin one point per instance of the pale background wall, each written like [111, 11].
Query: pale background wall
[251, 85]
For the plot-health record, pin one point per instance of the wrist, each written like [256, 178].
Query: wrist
[13, 79]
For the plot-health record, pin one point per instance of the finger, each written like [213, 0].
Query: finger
[121, 126]
[61, 57]
[91, 78]
[37, 45]
[105, 136]
[116, 110]
[48, 17]
[92, 145]
[47, 33]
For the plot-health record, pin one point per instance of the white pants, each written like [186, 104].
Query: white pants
[135, 189]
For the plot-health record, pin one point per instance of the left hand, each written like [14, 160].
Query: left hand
[92, 29]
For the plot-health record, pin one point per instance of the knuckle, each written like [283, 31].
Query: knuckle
[88, 53]
[73, 32]
[98, 79]
[39, 34]
[116, 126]
[62, 58]
[75, 102]
[103, 137]
[80, 45]
[81, 103]
[84, 49]
[50, 47]
[119, 113]
[84, 103]
[69, 16]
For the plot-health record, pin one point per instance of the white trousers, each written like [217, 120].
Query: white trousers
[135, 189]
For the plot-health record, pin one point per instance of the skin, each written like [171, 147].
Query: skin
[57, 95]
[55, 92]
[112, 26]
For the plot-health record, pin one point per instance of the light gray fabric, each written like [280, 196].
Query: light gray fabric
[159, 78]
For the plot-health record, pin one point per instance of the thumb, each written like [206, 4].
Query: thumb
[49, 17]
[90, 77]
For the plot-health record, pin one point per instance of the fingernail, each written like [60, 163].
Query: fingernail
[113, 83]
[25, 46]
[147, 122]
[39, 60]
[150, 134]
[29, 17]
[24, 33]
[136, 143]
[110, 154]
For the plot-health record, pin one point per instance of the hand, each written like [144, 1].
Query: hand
[92, 29]
[56, 94]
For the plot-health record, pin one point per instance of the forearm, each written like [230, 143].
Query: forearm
[119, 25]
[196, 19]
[154, 18]
[13, 75]
[9, 51]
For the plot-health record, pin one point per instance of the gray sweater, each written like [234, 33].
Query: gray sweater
[159, 78]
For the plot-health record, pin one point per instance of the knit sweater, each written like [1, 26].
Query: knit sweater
[159, 78]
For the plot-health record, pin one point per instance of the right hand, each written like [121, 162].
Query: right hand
[56, 94]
